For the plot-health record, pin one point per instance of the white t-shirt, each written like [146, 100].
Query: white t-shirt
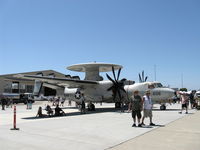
[147, 102]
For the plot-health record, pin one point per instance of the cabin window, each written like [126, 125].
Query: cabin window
[156, 93]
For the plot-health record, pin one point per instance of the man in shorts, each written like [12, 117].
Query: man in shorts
[136, 107]
[184, 102]
[148, 105]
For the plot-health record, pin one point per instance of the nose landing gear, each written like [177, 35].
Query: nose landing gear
[162, 107]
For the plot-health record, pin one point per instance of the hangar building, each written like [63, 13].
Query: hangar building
[9, 84]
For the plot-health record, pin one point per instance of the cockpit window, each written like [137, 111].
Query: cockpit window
[151, 86]
[154, 85]
[158, 85]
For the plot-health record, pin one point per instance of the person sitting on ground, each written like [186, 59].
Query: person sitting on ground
[59, 111]
[49, 110]
[39, 113]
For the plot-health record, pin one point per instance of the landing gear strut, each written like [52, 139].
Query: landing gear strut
[117, 105]
[162, 107]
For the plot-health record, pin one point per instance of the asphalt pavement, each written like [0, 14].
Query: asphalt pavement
[106, 128]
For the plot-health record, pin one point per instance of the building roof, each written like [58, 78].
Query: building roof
[9, 77]
[45, 72]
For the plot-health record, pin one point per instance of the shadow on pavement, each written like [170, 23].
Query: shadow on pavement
[167, 110]
[98, 110]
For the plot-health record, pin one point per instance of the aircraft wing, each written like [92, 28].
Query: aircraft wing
[65, 82]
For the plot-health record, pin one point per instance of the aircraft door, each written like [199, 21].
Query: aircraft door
[37, 88]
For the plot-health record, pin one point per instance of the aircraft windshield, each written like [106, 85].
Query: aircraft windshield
[158, 85]
[154, 85]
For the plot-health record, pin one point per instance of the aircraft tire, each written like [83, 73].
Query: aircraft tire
[162, 107]
[91, 107]
[117, 105]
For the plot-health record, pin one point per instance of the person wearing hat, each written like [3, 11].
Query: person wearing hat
[136, 107]
[184, 101]
[147, 111]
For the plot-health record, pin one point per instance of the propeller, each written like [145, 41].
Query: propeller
[118, 85]
[142, 78]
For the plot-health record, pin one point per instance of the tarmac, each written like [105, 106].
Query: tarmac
[106, 128]
[182, 134]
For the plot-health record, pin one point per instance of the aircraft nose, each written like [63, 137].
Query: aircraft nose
[171, 92]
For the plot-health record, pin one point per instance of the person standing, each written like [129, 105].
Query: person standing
[136, 106]
[3, 103]
[82, 103]
[62, 102]
[184, 102]
[147, 105]
[192, 100]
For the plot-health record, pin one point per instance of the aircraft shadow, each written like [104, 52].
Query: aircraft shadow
[97, 110]
[166, 110]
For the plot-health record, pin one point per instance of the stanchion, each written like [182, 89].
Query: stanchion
[14, 120]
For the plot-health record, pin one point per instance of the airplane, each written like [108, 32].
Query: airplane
[96, 89]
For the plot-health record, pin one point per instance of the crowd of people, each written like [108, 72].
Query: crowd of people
[138, 104]
[58, 102]
[187, 99]
[6, 102]
[49, 111]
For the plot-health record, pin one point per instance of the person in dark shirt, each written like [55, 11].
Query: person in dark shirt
[82, 99]
[192, 100]
[49, 110]
[3, 103]
[59, 111]
[136, 107]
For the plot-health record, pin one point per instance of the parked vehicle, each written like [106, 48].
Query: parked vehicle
[18, 98]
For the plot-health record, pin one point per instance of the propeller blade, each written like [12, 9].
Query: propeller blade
[140, 79]
[143, 76]
[146, 78]
[121, 88]
[110, 79]
[118, 73]
[113, 70]
[120, 96]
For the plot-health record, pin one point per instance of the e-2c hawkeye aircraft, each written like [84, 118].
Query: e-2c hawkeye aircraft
[96, 89]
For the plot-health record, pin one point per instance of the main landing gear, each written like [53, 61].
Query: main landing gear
[162, 107]
[117, 105]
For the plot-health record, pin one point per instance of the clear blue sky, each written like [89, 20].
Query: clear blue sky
[53, 34]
